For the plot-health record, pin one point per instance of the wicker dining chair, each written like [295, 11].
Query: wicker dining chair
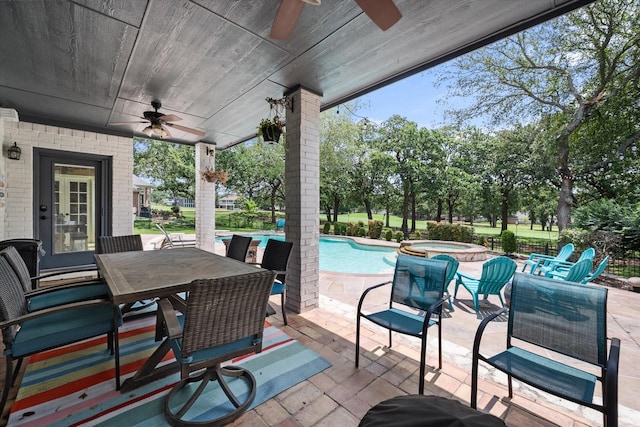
[210, 333]
[48, 318]
[238, 247]
[126, 243]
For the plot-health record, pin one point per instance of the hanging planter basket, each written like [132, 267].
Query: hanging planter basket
[211, 175]
[271, 133]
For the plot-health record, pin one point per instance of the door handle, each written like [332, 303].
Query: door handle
[44, 217]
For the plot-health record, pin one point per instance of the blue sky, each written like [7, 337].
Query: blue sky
[414, 98]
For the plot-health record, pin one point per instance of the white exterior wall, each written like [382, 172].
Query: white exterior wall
[17, 212]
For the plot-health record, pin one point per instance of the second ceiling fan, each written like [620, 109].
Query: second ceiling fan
[383, 13]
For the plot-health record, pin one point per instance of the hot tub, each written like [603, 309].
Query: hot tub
[461, 251]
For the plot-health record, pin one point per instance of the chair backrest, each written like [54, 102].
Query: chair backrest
[565, 252]
[565, 317]
[15, 261]
[12, 301]
[579, 271]
[598, 271]
[31, 251]
[419, 282]
[276, 256]
[588, 253]
[224, 311]
[495, 274]
[453, 266]
[113, 244]
[167, 242]
[238, 247]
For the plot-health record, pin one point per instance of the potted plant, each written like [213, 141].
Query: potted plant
[211, 175]
[270, 129]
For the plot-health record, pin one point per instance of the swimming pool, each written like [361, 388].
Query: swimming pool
[342, 255]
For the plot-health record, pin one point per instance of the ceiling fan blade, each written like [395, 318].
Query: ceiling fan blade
[383, 13]
[286, 18]
[186, 129]
[170, 118]
[128, 123]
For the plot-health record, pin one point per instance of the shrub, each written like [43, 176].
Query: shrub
[418, 235]
[509, 242]
[399, 236]
[388, 235]
[326, 227]
[446, 231]
[375, 229]
[361, 232]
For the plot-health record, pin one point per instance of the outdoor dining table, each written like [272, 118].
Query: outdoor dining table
[134, 276]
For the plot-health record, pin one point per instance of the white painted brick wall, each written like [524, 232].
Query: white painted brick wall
[17, 214]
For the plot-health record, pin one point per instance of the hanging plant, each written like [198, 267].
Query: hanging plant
[211, 175]
[270, 129]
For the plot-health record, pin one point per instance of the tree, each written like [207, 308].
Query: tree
[170, 166]
[573, 67]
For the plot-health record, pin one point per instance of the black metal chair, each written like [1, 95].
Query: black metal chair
[556, 317]
[276, 258]
[224, 319]
[415, 304]
[238, 247]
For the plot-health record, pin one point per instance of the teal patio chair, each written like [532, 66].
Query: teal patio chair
[415, 304]
[598, 271]
[276, 258]
[573, 323]
[451, 272]
[48, 318]
[495, 274]
[566, 265]
[576, 273]
[537, 260]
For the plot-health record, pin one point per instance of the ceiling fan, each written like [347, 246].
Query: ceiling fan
[159, 122]
[383, 13]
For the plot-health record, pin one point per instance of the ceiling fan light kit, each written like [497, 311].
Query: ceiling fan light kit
[158, 123]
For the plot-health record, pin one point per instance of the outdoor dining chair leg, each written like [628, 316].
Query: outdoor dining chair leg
[357, 340]
[284, 313]
[423, 361]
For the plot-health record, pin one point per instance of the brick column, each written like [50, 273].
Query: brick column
[302, 189]
[205, 199]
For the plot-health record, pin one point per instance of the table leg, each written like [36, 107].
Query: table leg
[150, 371]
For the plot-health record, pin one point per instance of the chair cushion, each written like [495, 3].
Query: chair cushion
[399, 320]
[62, 328]
[546, 374]
[65, 296]
[213, 352]
[278, 288]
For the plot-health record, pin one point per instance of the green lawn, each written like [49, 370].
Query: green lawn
[223, 215]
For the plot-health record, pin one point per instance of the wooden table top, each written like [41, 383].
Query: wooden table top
[133, 276]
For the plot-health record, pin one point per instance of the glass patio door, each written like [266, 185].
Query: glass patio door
[69, 207]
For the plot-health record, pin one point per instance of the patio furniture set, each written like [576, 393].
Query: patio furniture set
[555, 316]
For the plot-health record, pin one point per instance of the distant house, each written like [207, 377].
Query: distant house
[227, 202]
[141, 194]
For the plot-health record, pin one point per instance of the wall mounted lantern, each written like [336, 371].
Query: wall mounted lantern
[14, 152]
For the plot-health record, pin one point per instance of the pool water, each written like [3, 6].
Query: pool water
[345, 255]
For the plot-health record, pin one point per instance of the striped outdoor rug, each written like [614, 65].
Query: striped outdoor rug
[74, 385]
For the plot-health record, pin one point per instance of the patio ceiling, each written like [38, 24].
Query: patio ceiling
[85, 63]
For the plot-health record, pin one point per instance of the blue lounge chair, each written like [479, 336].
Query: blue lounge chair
[451, 272]
[565, 265]
[598, 271]
[537, 260]
[576, 273]
[495, 274]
